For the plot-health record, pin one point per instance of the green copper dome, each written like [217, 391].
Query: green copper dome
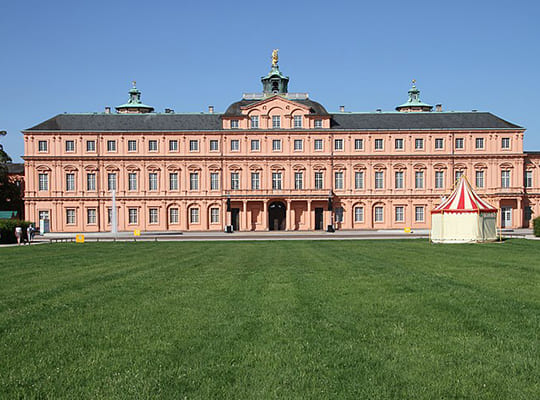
[134, 104]
[414, 101]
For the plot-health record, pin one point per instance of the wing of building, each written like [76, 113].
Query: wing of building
[272, 161]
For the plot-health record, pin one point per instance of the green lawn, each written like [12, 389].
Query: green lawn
[264, 320]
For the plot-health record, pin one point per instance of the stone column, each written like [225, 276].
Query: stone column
[288, 216]
[309, 218]
[265, 215]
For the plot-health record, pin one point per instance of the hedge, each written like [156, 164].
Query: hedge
[7, 229]
[536, 226]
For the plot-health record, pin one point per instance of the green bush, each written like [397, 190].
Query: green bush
[536, 226]
[7, 229]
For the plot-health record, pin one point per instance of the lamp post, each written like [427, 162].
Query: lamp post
[330, 227]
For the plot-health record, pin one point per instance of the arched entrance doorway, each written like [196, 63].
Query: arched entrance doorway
[276, 216]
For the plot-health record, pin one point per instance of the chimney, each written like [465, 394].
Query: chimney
[168, 111]
[341, 108]
[378, 110]
[474, 110]
[107, 110]
[210, 109]
[438, 107]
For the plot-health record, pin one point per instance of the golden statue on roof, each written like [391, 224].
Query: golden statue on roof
[274, 57]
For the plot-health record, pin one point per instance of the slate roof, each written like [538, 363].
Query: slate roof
[100, 122]
[420, 120]
[15, 168]
[234, 108]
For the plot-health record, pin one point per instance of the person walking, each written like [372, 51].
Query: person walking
[29, 233]
[18, 234]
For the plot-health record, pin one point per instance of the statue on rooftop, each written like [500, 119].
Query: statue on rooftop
[274, 57]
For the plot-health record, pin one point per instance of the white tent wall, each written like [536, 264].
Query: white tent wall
[463, 227]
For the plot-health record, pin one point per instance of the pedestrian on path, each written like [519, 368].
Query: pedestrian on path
[18, 234]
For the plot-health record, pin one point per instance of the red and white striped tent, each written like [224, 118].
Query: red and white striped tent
[463, 217]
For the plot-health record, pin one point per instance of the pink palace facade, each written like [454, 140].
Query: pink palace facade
[272, 161]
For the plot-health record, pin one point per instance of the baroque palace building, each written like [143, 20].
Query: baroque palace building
[272, 161]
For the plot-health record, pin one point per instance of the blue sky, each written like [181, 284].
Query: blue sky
[69, 56]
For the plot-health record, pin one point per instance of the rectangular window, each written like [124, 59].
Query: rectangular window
[479, 143]
[255, 145]
[132, 145]
[318, 123]
[439, 143]
[132, 181]
[505, 143]
[379, 144]
[42, 145]
[43, 181]
[111, 181]
[505, 178]
[419, 214]
[91, 146]
[91, 216]
[255, 182]
[379, 214]
[298, 180]
[173, 215]
[153, 215]
[173, 145]
[173, 181]
[214, 215]
[70, 182]
[91, 181]
[276, 121]
[109, 215]
[255, 122]
[297, 119]
[338, 144]
[528, 179]
[152, 145]
[359, 180]
[358, 214]
[460, 143]
[398, 144]
[319, 180]
[276, 145]
[399, 179]
[235, 180]
[194, 215]
[234, 124]
[419, 144]
[439, 179]
[400, 214]
[379, 180]
[214, 180]
[214, 145]
[111, 145]
[419, 179]
[70, 146]
[457, 175]
[132, 215]
[338, 213]
[358, 144]
[235, 145]
[298, 144]
[338, 180]
[318, 144]
[70, 216]
[152, 181]
[193, 145]
[193, 181]
[479, 179]
[276, 180]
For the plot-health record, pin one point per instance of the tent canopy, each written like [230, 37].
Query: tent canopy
[463, 200]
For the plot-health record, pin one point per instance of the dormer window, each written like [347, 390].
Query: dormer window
[234, 124]
[297, 119]
[318, 123]
[276, 121]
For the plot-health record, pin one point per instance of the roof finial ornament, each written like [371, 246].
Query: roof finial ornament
[274, 57]
[134, 83]
[414, 82]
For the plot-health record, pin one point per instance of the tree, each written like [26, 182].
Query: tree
[10, 192]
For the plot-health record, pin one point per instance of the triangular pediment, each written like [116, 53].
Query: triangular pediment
[276, 101]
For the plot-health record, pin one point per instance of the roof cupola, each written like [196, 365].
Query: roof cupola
[414, 104]
[134, 105]
[275, 82]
